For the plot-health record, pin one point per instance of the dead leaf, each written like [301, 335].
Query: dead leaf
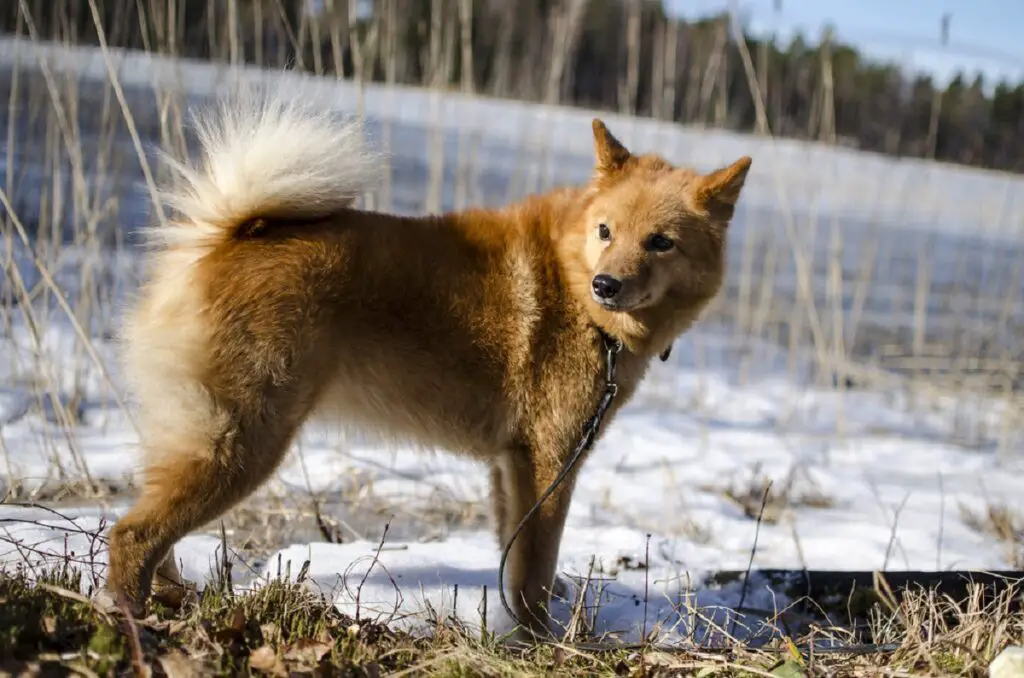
[238, 620]
[178, 665]
[104, 601]
[49, 625]
[788, 669]
[235, 630]
[266, 660]
[271, 632]
[307, 650]
[154, 624]
[177, 626]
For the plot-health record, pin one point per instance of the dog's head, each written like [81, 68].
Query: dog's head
[655, 234]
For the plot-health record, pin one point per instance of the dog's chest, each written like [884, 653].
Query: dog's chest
[569, 388]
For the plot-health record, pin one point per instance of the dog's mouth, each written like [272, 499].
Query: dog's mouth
[614, 304]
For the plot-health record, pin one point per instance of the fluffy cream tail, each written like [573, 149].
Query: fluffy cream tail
[265, 155]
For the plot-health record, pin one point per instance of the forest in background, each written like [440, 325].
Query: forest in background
[623, 55]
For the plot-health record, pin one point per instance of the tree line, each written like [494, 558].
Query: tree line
[623, 55]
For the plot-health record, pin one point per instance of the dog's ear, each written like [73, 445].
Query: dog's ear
[611, 155]
[719, 191]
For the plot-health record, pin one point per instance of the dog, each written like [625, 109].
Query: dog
[270, 299]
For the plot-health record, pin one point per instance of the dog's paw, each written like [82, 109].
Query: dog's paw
[173, 594]
[111, 603]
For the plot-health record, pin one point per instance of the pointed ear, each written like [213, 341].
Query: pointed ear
[719, 191]
[611, 154]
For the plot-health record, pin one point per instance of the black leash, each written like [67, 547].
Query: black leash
[612, 347]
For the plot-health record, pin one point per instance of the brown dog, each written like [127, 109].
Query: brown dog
[271, 300]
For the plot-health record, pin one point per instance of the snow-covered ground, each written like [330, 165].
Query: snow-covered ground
[885, 492]
[862, 478]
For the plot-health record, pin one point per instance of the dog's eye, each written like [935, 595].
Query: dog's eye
[603, 232]
[659, 243]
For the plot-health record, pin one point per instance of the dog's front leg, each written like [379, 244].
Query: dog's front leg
[530, 569]
[499, 500]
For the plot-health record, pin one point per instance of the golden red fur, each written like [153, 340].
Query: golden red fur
[272, 300]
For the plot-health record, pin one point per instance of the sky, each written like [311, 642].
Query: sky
[983, 34]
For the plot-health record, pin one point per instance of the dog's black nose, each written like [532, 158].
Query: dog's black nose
[606, 286]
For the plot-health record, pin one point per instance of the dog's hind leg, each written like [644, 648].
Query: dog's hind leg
[185, 489]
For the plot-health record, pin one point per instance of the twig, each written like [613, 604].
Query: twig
[892, 533]
[139, 667]
[753, 551]
[647, 580]
[376, 559]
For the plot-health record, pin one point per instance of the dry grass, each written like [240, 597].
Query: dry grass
[943, 636]
[273, 517]
[1001, 522]
[49, 628]
[56, 619]
[57, 492]
[759, 498]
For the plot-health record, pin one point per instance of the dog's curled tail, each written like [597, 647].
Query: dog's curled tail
[264, 156]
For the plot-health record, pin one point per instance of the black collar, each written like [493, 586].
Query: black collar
[610, 342]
